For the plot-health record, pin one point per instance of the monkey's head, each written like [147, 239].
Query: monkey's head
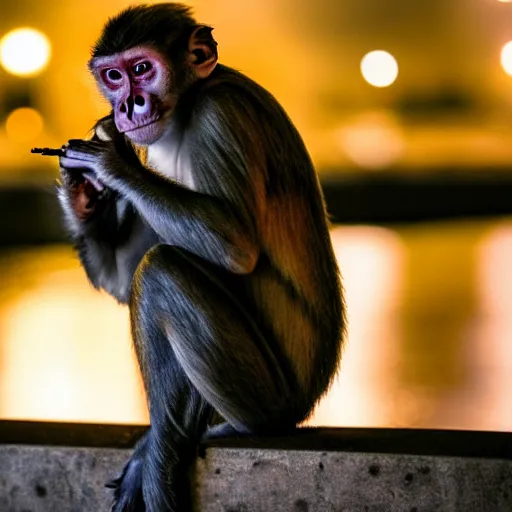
[144, 59]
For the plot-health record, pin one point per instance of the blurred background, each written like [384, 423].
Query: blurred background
[406, 109]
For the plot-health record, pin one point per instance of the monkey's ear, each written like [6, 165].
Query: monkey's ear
[202, 51]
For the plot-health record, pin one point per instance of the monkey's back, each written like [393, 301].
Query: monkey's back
[296, 285]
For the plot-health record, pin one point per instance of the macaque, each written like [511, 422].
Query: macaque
[197, 205]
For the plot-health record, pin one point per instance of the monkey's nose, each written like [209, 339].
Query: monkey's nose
[140, 105]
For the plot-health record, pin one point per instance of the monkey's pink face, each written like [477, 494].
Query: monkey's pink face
[138, 85]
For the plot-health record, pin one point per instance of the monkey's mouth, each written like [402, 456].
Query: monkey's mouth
[144, 125]
[148, 132]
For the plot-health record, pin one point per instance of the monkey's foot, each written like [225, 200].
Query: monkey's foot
[128, 488]
[223, 430]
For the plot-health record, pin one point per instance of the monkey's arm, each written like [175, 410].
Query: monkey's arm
[200, 223]
[110, 237]
[91, 232]
[219, 224]
[107, 232]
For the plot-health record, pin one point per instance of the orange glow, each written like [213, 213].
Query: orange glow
[429, 310]
[492, 343]
[315, 73]
[24, 125]
[66, 352]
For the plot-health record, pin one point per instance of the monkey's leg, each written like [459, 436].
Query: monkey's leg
[198, 347]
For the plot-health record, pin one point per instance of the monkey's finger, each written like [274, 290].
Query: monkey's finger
[80, 154]
[87, 146]
[75, 163]
[94, 181]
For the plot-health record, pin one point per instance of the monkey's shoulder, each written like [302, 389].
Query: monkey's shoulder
[234, 97]
[225, 79]
[234, 120]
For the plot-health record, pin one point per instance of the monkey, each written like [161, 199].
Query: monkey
[197, 205]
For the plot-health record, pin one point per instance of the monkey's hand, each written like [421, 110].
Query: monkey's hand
[113, 163]
[79, 192]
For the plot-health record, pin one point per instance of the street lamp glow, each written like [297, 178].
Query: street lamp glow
[24, 52]
[506, 58]
[24, 124]
[379, 68]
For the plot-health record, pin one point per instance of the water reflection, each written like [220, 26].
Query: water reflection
[438, 306]
[430, 341]
[491, 345]
[65, 350]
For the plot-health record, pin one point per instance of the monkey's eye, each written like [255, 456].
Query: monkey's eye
[141, 68]
[113, 75]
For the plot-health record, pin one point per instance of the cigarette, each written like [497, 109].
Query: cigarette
[48, 151]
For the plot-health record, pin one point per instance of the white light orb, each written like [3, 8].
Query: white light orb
[506, 58]
[379, 68]
[24, 52]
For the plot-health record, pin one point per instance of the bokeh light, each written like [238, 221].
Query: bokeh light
[24, 52]
[379, 68]
[506, 58]
[373, 140]
[24, 124]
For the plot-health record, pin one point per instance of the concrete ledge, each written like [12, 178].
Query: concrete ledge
[238, 480]
[57, 479]
[314, 470]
